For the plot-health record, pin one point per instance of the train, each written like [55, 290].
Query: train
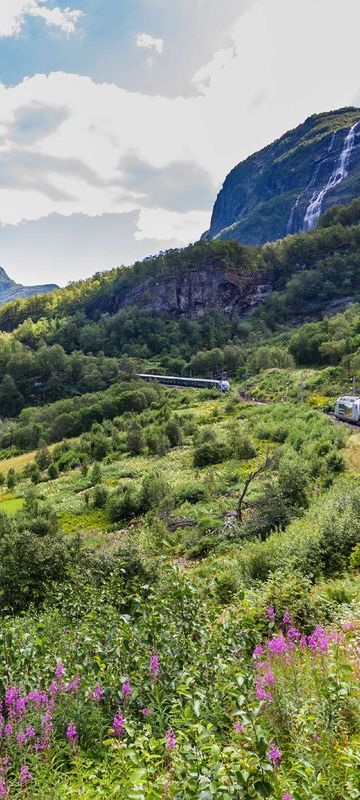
[347, 408]
[196, 383]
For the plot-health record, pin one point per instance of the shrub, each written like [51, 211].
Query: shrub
[124, 504]
[191, 493]
[135, 440]
[210, 453]
[53, 472]
[100, 496]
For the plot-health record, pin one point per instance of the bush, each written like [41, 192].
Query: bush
[191, 493]
[210, 453]
[154, 493]
[124, 504]
[53, 472]
[100, 496]
[135, 440]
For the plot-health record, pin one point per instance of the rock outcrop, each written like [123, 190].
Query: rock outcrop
[9, 290]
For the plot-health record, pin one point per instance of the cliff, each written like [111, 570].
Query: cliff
[286, 186]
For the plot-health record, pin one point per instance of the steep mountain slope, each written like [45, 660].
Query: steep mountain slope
[286, 186]
[305, 275]
[9, 290]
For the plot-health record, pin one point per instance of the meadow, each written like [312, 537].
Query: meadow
[180, 605]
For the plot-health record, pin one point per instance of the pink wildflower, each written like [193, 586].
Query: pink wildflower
[98, 693]
[73, 686]
[25, 776]
[30, 732]
[277, 645]
[71, 733]
[269, 678]
[8, 729]
[21, 738]
[60, 671]
[170, 739]
[261, 692]
[238, 727]
[118, 724]
[259, 651]
[126, 689]
[287, 796]
[275, 755]
[287, 618]
[3, 789]
[146, 712]
[154, 666]
[271, 612]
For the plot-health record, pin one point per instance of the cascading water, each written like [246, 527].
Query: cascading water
[340, 172]
[292, 213]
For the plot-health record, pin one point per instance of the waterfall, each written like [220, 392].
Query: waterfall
[292, 213]
[340, 172]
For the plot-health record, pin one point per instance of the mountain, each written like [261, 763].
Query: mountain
[9, 290]
[285, 187]
[307, 275]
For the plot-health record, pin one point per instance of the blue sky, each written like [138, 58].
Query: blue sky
[119, 119]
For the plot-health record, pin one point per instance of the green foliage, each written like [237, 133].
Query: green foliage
[210, 453]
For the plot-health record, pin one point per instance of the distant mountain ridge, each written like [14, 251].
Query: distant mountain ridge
[10, 290]
[286, 186]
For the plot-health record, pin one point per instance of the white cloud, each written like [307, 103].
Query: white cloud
[157, 223]
[13, 14]
[149, 42]
[247, 99]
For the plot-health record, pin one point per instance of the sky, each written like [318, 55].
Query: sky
[119, 119]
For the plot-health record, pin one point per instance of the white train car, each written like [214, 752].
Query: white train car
[347, 408]
[197, 383]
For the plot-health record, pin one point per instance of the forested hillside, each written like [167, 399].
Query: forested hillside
[179, 568]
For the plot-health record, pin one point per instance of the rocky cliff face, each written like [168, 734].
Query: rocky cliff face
[285, 187]
[194, 293]
[9, 290]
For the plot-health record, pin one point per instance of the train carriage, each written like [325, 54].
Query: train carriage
[196, 383]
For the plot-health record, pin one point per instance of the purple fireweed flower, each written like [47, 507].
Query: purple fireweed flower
[40, 746]
[271, 612]
[287, 796]
[259, 651]
[166, 787]
[287, 618]
[5, 764]
[170, 739]
[20, 706]
[126, 689]
[98, 694]
[118, 724]
[8, 729]
[71, 732]
[277, 645]
[154, 666]
[20, 738]
[54, 688]
[60, 671]
[30, 732]
[25, 775]
[275, 755]
[261, 692]
[3, 789]
[11, 696]
[238, 727]
[39, 698]
[73, 686]
[293, 634]
[269, 678]
[319, 640]
[303, 642]
[146, 712]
